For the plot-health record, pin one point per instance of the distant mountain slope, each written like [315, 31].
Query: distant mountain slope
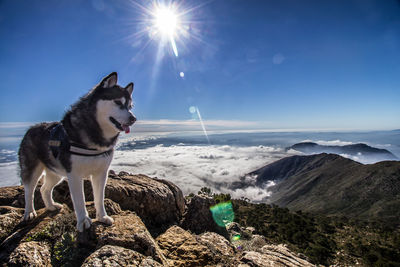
[333, 185]
[363, 152]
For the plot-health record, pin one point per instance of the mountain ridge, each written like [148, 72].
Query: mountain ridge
[360, 151]
[332, 185]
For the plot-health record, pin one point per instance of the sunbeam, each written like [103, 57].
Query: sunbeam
[202, 125]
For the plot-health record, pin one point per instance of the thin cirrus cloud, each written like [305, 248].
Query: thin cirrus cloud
[193, 125]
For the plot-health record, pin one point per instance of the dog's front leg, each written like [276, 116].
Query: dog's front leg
[98, 184]
[78, 199]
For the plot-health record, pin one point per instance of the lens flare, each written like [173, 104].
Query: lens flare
[202, 125]
[222, 213]
[236, 237]
[192, 109]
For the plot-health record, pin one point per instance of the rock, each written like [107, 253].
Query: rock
[181, 248]
[128, 231]
[118, 256]
[198, 218]
[157, 202]
[9, 195]
[218, 244]
[256, 242]
[235, 228]
[112, 208]
[31, 254]
[9, 218]
[274, 256]
[50, 225]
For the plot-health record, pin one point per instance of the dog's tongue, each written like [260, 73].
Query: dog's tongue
[126, 129]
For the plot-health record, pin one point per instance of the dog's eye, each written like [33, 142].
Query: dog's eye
[119, 103]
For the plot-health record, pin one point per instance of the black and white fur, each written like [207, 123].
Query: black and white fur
[95, 122]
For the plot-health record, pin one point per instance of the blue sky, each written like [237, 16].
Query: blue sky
[277, 64]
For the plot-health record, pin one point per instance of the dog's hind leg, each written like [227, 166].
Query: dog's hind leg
[30, 176]
[51, 179]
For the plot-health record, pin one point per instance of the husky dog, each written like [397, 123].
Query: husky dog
[80, 146]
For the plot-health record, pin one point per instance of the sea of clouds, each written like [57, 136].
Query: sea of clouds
[190, 161]
[192, 167]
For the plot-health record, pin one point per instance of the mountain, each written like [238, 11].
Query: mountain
[360, 152]
[333, 185]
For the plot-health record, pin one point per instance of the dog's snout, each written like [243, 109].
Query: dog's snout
[132, 119]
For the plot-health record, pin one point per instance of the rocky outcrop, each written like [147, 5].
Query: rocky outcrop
[274, 256]
[31, 253]
[159, 203]
[198, 218]
[128, 231]
[137, 204]
[156, 202]
[118, 256]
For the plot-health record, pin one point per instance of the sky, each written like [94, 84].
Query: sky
[286, 64]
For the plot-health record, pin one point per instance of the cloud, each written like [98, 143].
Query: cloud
[330, 143]
[254, 193]
[355, 158]
[7, 125]
[9, 174]
[191, 125]
[196, 166]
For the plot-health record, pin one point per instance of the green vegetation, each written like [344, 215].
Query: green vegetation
[65, 251]
[324, 240]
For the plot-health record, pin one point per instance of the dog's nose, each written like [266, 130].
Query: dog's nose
[132, 119]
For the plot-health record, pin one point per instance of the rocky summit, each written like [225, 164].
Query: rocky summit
[154, 225]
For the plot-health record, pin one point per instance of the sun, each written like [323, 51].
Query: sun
[170, 23]
[166, 24]
[166, 21]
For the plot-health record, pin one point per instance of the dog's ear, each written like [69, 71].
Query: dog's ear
[110, 80]
[129, 88]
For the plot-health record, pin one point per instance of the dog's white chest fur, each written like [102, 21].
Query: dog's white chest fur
[87, 166]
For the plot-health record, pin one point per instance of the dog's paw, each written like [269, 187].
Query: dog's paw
[55, 206]
[83, 224]
[29, 215]
[106, 219]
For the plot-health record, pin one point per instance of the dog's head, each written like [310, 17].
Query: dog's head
[113, 104]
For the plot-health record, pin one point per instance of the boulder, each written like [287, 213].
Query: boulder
[31, 254]
[9, 196]
[118, 256]
[274, 256]
[182, 248]
[9, 218]
[218, 244]
[198, 218]
[157, 202]
[127, 231]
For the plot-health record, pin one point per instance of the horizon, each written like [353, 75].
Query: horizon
[273, 66]
[211, 126]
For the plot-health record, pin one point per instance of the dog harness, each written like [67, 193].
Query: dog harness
[59, 141]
